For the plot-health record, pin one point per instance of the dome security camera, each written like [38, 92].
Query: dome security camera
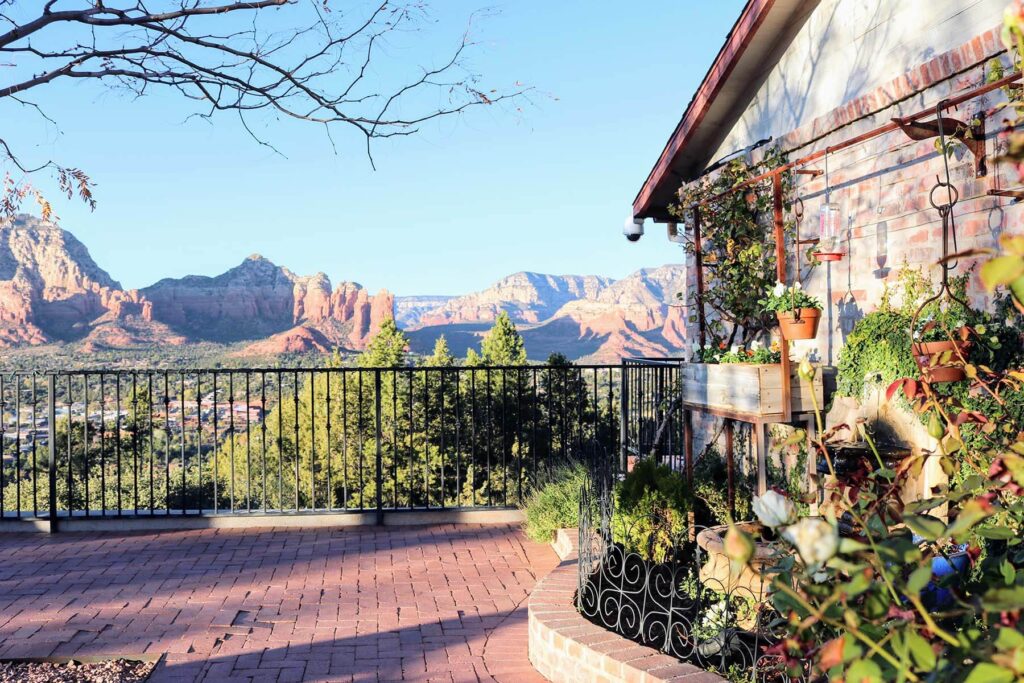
[633, 229]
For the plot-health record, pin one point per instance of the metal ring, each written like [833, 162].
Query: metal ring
[941, 185]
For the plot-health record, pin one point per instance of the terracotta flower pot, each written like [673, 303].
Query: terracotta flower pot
[799, 324]
[940, 372]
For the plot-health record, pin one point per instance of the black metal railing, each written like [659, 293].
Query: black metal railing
[162, 442]
[652, 420]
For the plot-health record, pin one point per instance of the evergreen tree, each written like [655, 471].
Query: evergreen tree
[442, 356]
[503, 345]
[387, 349]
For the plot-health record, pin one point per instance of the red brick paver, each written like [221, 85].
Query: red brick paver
[440, 603]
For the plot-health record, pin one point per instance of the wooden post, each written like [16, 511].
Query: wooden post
[761, 442]
[699, 256]
[729, 466]
[780, 269]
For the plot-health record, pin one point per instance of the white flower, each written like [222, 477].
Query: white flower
[779, 290]
[797, 286]
[707, 347]
[816, 540]
[774, 509]
[734, 349]
[756, 345]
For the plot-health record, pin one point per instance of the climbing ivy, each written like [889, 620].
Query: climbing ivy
[738, 246]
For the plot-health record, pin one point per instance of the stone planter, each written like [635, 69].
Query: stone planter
[717, 570]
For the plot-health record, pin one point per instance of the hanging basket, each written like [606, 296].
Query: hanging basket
[928, 356]
[828, 255]
[799, 324]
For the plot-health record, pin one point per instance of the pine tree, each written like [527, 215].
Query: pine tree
[503, 345]
[387, 349]
[441, 357]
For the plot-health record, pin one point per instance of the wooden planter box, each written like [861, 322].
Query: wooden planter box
[746, 388]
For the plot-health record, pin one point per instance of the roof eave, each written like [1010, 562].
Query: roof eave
[756, 42]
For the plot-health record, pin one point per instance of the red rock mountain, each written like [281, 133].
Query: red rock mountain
[587, 318]
[52, 290]
[258, 299]
[527, 298]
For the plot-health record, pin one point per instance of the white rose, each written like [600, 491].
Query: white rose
[779, 290]
[816, 540]
[774, 509]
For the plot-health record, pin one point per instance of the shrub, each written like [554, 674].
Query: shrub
[556, 505]
[711, 491]
[652, 504]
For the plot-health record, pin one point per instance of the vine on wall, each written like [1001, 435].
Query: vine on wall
[738, 246]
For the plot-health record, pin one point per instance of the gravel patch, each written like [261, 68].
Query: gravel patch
[114, 671]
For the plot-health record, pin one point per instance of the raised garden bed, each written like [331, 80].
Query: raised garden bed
[746, 388]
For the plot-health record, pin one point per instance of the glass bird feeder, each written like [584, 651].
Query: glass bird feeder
[830, 225]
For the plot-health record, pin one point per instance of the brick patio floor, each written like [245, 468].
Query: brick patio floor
[444, 603]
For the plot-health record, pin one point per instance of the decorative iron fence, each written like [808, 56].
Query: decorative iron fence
[667, 585]
[162, 442]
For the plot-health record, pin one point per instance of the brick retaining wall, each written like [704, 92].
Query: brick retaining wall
[566, 648]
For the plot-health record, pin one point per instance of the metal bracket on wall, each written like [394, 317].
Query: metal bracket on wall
[970, 136]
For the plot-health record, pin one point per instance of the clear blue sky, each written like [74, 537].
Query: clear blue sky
[450, 211]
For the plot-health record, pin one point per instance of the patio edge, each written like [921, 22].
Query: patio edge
[564, 647]
[311, 520]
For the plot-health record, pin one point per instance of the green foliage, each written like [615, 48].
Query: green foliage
[877, 350]
[710, 474]
[442, 355]
[782, 299]
[738, 245]
[387, 349]
[651, 507]
[556, 504]
[502, 345]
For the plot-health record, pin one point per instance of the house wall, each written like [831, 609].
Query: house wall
[884, 184]
[849, 47]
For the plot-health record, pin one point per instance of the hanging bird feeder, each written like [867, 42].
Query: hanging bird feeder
[830, 225]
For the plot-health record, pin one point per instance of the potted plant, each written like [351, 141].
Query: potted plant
[797, 311]
[939, 347]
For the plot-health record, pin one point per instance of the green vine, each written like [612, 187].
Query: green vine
[737, 247]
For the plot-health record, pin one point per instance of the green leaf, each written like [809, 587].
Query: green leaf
[919, 578]
[1001, 270]
[921, 651]
[972, 512]
[997, 533]
[1003, 599]
[989, 673]
[925, 526]
[863, 671]
[1009, 638]
[1008, 572]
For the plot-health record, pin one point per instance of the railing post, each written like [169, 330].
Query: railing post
[51, 445]
[623, 417]
[379, 457]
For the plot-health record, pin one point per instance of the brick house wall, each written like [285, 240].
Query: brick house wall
[883, 187]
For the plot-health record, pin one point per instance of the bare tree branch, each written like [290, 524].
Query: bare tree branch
[234, 56]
